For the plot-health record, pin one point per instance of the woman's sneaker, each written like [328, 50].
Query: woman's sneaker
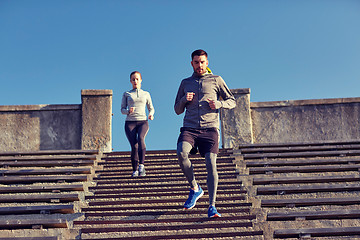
[142, 171]
[135, 174]
[212, 212]
[193, 197]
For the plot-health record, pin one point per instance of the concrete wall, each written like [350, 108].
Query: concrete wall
[58, 127]
[289, 121]
[236, 123]
[88, 125]
[96, 119]
[39, 127]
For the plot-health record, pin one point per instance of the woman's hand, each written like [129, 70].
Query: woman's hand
[151, 117]
[190, 96]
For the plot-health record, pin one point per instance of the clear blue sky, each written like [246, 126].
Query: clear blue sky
[280, 49]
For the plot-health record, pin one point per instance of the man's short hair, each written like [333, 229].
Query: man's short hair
[198, 52]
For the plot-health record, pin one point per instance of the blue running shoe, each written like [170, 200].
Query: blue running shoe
[212, 212]
[193, 197]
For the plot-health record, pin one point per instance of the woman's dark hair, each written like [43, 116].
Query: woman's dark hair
[198, 52]
[134, 73]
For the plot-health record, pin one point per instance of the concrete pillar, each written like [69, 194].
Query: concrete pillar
[236, 124]
[96, 120]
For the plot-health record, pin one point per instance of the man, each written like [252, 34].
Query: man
[201, 95]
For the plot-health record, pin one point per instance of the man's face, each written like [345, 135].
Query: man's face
[199, 64]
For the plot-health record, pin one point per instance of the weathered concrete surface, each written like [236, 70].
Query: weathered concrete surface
[289, 121]
[306, 120]
[40, 127]
[58, 127]
[96, 119]
[236, 126]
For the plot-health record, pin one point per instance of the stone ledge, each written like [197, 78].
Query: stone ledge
[41, 107]
[240, 91]
[92, 92]
[290, 103]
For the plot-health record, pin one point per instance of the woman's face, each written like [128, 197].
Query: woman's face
[136, 81]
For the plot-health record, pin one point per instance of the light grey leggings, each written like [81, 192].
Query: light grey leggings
[183, 150]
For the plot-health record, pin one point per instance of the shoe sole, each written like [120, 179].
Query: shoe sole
[195, 201]
[216, 215]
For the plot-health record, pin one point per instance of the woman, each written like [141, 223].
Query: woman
[136, 124]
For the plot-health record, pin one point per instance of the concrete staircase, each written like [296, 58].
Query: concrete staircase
[304, 190]
[42, 192]
[151, 207]
[266, 191]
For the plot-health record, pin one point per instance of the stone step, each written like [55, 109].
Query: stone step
[305, 154]
[282, 190]
[133, 212]
[311, 215]
[302, 162]
[305, 169]
[44, 209]
[154, 193]
[303, 179]
[46, 157]
[191, 219]
[309, 202]
[310, 233]
[43, 179]
[301, 144]
[284, 149]
[51, 153]
[42, 188]
[150, 193]
[33, 223]
[234, 233]
[149, 176]
[173, 161]
[167, 201]
[56, 197]
[168, 207]
[149, 153]
[143, 184]
[46, 171]
[155, 170]
[45, 163]
[31, 238]
[203, 224]
[115, 165]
